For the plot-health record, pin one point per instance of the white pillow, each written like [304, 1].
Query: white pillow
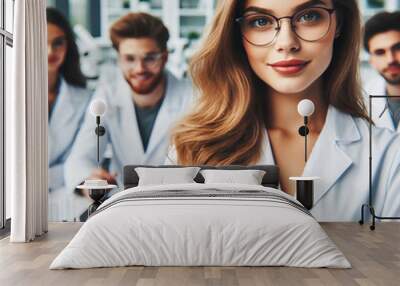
[163, 176]
[248, 177]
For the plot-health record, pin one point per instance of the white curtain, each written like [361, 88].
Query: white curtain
[26, 123]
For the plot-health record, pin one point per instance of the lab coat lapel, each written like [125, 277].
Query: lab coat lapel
[61, 127]
[165, 117]
[381, 114]
[266, 158]
[329, 159]
[125, 127]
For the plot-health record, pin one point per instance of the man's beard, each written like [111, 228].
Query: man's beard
[149, 87]
[392, 81]
[395, 81]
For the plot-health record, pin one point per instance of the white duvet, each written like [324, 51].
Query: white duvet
[203, 231]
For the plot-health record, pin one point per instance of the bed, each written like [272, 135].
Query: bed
[201, 224]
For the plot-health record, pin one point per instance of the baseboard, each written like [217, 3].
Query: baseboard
[5, 231]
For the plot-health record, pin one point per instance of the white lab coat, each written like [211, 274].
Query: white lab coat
[340, 158]
[380, 112]
[66, 119]
[122, 131]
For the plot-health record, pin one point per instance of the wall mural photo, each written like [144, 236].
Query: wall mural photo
[229, 85]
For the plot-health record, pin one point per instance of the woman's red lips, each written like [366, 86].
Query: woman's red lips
[289, 67]
[289, 63]
[52, 60]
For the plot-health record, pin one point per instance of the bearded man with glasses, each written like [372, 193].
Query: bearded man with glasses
[142, 104]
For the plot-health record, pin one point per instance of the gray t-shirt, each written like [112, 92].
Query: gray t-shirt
[394, 109]
[146, 118]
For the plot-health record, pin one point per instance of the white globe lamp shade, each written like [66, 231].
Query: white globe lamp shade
[305, 107]
[98, 107]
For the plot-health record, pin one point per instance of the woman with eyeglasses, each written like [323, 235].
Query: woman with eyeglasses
[260, 59]
[68, 96]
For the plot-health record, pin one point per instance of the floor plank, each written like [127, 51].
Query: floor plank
[374, 255]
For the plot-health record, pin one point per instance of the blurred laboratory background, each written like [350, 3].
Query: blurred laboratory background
[91, 19]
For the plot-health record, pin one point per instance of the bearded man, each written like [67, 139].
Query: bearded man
[143, 103]
[382, 42]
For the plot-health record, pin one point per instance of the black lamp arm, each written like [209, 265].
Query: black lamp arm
[303, 131]
[100, 131]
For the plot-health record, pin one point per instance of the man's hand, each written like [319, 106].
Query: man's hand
[100, 174]
[104, 175]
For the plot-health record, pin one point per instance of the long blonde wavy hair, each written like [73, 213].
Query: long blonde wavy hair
[227, 124]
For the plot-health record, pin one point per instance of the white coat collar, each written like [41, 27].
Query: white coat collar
[165, 117]
[328, 159]
[381, 114]
[61, 130]
[64, 105]
[380, 111]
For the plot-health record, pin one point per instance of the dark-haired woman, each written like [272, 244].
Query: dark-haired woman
[68, 96]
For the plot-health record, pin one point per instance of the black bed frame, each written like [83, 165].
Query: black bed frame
[270, 179]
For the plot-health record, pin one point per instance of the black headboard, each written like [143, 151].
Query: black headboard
[270, 179]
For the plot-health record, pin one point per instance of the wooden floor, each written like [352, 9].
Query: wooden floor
[374, 255]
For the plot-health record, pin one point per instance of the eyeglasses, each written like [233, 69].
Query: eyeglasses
[310, 25]
[149, 61]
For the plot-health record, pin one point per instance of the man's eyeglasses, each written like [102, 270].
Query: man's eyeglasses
[261, 29]
[149, 61]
